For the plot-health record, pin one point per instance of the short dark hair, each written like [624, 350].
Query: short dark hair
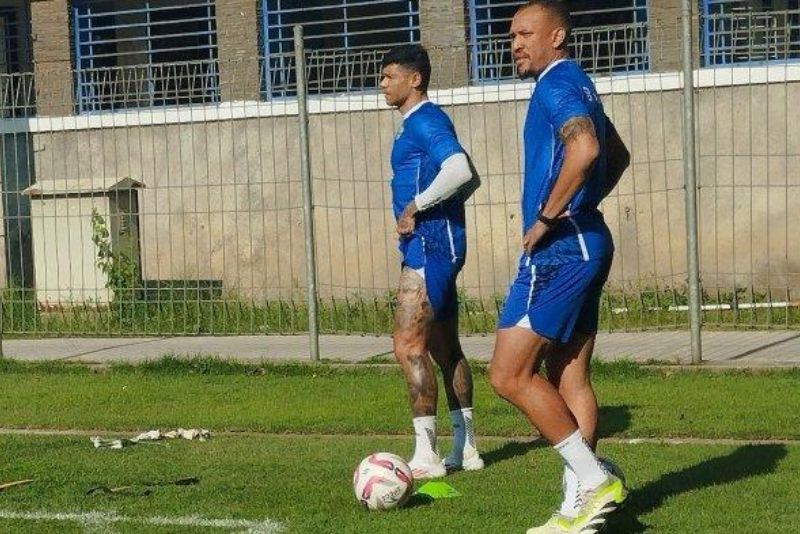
[558, 8]
[413, 57]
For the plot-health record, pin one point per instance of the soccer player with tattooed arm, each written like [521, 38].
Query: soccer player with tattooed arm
[573, 158]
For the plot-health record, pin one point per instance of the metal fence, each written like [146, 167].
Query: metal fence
[600, 50]
[751, 37]
[345, 40]
[330, 71]
[155, 85]
[608, 36]
[167, 217]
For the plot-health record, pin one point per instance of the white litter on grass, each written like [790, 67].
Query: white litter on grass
[199, 434]
[93, 520]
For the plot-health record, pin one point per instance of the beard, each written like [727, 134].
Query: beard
[525, 73]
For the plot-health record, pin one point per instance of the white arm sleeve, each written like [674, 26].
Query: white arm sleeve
[455, 172]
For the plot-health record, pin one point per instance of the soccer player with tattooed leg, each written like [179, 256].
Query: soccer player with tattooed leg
[573, 159]
[432, 178]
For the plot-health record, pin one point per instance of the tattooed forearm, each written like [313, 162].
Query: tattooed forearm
[576, 127]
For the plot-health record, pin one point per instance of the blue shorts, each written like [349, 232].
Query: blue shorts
[440, 276]
[556, 300]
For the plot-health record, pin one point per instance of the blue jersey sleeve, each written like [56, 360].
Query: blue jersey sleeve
[437, 137]
[562, 101]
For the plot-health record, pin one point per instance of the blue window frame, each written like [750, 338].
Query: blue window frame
[608, 36]
[146, 53]
[752, 31]
[344, 39]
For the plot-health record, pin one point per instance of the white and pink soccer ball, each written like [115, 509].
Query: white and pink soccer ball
[383, 481]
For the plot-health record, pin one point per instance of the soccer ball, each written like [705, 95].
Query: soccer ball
[383, 481]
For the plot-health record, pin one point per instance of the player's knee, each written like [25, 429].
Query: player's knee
[571, 385]
[503, 382]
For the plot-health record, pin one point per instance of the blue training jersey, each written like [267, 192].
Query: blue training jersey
[425, 140]
[564, 92]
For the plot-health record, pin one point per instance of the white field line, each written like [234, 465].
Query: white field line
[93, 520]
[633, 440]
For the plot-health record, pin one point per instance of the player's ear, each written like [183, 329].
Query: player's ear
[559, 38]
[416, 80]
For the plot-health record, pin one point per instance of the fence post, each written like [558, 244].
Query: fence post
[690, 182]
[308, 203]
[2, 320]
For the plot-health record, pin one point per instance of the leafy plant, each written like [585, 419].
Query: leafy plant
[119, 268]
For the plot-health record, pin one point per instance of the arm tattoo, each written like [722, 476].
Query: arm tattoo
[575, 127]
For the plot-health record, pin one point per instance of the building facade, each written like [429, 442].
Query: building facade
[195, 100]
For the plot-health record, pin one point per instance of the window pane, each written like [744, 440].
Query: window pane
[345, 41]
[16, 81]
[144, 53]
[738, 31]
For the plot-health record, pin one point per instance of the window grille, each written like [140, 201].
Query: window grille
[146, 53]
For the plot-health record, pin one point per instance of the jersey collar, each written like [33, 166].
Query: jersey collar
[415, 108]
[551, 66]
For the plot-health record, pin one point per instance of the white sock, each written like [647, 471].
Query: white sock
[425, 437]
[469, 428]
[569, 483]
[582, 461]
[463, 430]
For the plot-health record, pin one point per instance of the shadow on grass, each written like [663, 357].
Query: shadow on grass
[418, 500]
[613, 420]
[511, 449]
[745, 462]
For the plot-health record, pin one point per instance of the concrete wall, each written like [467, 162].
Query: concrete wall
[443, 29]
[223, 200]
[238, 52]
[749, 170]
[664, 18]
[52, 57]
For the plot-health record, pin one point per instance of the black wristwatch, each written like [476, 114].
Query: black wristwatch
[547, 221]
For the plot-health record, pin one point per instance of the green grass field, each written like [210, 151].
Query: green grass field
[287, 438]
